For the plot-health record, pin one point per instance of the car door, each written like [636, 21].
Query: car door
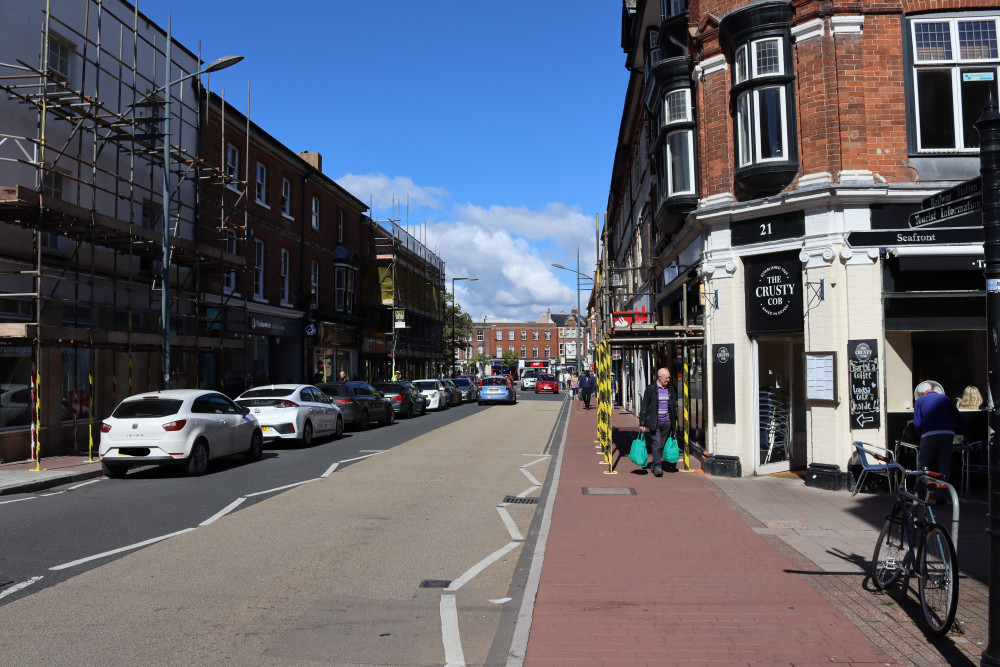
[363, 397]
[319, 409]
[233, 433]
[377, 405]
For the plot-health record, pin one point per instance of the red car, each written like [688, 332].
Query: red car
[546, 383]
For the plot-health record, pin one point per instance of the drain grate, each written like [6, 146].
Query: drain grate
[435, 583]
[514, 500]
[608, 491]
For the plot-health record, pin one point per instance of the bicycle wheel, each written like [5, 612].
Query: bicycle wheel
[890, 550]
[938, 579]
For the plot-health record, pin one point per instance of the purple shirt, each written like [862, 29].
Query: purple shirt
[663, 413]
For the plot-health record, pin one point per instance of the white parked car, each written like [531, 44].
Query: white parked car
[528, 379]
[293, 412]
[177, 426]
[435, 392]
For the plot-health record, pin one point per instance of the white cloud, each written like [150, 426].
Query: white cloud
[382, 191]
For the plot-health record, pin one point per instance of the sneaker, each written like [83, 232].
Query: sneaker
[657, 471]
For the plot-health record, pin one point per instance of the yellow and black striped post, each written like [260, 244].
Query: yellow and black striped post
[686, 384]
[604, 431]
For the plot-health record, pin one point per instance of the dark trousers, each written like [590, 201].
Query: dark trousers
[656, 442]
[586, 397]
[935, 453]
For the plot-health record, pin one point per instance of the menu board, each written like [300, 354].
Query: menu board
[862, 374]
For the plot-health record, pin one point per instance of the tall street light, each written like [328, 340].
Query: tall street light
[578, 276]
[454, 307]
[215, 66]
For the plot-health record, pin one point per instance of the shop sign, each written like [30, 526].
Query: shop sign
[774, 293]
[862, 374]
[337, 335]
[265, 325]
[310, 330]
[626, 318]
[723, 384]
[884, 238]
[791, 225]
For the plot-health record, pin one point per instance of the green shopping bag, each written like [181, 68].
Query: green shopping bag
[638, 454]
[671, 452]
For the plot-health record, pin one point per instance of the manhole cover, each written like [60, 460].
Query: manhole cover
[435, 583]
[520, 501]
[608, 491]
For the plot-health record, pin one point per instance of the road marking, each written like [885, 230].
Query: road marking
[501, 600]
[515, 534]
[453, 654]
[366, 456]
[524, 494]
[482, 565]
[544, 458]
[280, 488]
[223, 512]
[329, 471]
[4, 502]
[93, 481]
[17, 587]
[121, 549]
[531, 478]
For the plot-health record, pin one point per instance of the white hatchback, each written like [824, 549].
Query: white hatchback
[177, 426]
[293, 412]
[434, 391]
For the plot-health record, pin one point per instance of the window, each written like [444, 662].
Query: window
[534, 351]
[955, 66]
[676, 159]
[524, 335]
[671, 8]
[260, 189]
[232, 166]
[315, 213]
[511, 348]
[499, 335]
[534, 335]
[258, 269]
[479, 335]
[314, 283]
[548, 352]
[340, 225]
[284, 275]
[510, 335]
[59, 55]
[286, 197]
[548, 336]
[479, 349]
[524, 352]
[229, 245]
[761, 112]
[562, 349]
[499, 351]
[52, 186]
[349, 295]
[344, 289]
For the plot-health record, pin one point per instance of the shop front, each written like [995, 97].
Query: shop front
[336, 350]
[273, 351]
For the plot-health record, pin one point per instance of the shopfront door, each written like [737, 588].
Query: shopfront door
[780, 404]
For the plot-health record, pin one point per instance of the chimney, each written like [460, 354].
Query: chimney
[314, 159]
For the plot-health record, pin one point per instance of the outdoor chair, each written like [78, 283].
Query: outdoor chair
[873, 459]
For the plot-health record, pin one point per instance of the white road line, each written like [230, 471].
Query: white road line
[524, 494]
[329, 471]
[482, 565]
[366, 456]
[280, 488]
[4, 502]
[501, 600]
[93, 481]
[54, 493]
[519, 642]
[531, 478]
[515, 534]
[223, 512]
[453, 654]
[545, 458]
[118, 551]
[16, 587]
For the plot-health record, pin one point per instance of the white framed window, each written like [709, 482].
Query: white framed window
[499, 335]
[479, 349]
[232, 167]
[955, 66]
[676, 107]
[315, 213]
[314, 283]
[524, 335]
[284, 275]
[340, 288]
[59, 58]
[562, 349]
[258, 269]
[229, 245]
[548, 336]
[286, 197]
[534, 335]
[678, 163]
[762, 117]
[768, 58]
[534, 351]
[340, 225]
[349, 294]
[510, 335]
[524, 352]
[479, 335]
[511, 348]
[260, 185]
[548, 352]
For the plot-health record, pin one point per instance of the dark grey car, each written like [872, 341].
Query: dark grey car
[454, 393]
[359, 403]
[467, 387]
[406, 400]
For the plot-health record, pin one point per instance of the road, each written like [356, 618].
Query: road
[346, 568]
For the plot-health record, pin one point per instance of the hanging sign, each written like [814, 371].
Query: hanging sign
[862, 377]
[773, 293]
[399, 318]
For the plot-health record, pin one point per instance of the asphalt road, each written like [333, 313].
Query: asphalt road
[256, 571]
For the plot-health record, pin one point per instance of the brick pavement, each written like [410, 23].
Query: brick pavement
[670, 576]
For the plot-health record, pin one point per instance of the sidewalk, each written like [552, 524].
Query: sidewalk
[693, 569]
[21, 476]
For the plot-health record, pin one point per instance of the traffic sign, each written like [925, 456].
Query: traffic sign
[973, 186]
[951, 209]
[883, 238]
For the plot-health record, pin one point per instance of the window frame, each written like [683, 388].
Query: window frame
[260, 184]
[480, 336]
[64, 53]
[284, 270]
[232, 166]
[315, 213]
[229, 276]
[260, 255]
[314, 283]
[286, 198]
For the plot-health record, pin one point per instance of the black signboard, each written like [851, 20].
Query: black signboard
[774, 293]
[933, 236]
[961, 191]
[790, 225]
[947, 211]
[723, 384]
[862, 376]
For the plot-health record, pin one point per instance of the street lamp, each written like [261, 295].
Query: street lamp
[215, 66]
[454, 307]
[578, 276]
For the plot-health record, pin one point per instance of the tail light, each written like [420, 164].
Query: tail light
[287, 404]
[397, 398]
[105, 427]
[175, 425]
[344, 401]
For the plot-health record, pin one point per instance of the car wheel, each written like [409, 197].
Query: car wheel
[363, 424]
[515, 399]
[423, 410]
[307, 435]
[113, 471]
[256, 448]
[339, 432]
[387, 420]
[197, 461]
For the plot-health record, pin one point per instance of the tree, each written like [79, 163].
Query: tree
[479, 360]
[455, 338]
[510, 359]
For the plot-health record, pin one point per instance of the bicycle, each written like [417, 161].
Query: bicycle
[913, 543]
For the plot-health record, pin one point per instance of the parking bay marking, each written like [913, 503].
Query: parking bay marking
[137, 545]
[17, 587]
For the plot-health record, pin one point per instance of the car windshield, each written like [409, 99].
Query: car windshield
[426, 384]
[547, 378]
[531, 374]
[147, 408]
[463, 382]
[268, 392]
[496, 382]
[333, 390]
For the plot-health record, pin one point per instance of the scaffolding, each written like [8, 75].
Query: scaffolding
[81, 168]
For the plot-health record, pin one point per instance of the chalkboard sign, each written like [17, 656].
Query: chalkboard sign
[862, 374]
[723, 384]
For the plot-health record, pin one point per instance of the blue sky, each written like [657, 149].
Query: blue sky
[497, 122]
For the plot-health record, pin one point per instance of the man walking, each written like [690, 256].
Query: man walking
[657, 416]
[587, 386]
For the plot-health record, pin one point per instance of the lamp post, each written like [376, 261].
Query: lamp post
[454, 307]
[215, 66]
[578, 276]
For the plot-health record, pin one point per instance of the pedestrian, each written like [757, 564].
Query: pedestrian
[658, 416]
[587, 385]
[614, 390]
[937, 420]
[342, 376]
[398, 376]
[574, 384]
[971, 399]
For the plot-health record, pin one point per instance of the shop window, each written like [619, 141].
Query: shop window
[75, 383]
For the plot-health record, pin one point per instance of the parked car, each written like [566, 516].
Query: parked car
[15, 405]
[359, 403]
[528, 379]
[188, 427]
[293, 412]
[435, 393]
[454, 392]
[546, 383]
[406, 400]
[467, 387]
[497, 389]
